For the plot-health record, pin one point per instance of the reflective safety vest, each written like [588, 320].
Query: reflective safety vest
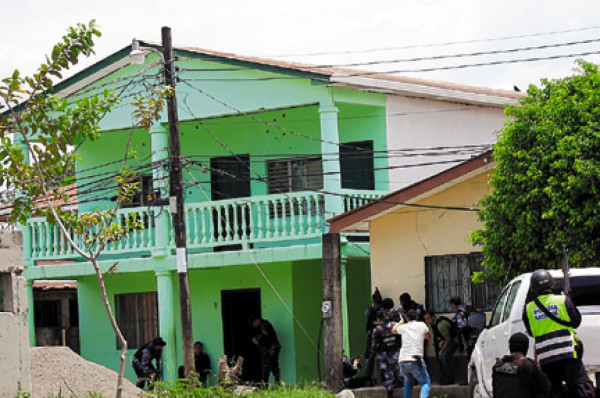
[553, 341]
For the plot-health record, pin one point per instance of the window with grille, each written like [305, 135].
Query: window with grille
[451, 275]
[144, 195]
[137, 317]
[357, 165]
[293, 175]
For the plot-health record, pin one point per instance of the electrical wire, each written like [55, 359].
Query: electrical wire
[448, 43]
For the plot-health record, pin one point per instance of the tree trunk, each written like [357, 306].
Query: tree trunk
[115, 326]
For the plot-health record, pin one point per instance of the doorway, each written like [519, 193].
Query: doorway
[230, 179]
[236, 307]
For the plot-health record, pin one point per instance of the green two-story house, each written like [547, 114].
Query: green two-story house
[270, 151]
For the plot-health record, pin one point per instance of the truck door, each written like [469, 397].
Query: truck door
[497, 335]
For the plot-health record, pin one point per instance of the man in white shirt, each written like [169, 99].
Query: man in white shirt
[411, 363]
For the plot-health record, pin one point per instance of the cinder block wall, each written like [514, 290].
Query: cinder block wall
[14, 335]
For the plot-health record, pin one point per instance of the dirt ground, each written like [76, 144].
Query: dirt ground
[58, 369]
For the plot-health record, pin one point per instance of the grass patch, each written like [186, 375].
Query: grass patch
[182, 388]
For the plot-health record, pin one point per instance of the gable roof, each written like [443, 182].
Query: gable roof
[334, 76]
[357, 220]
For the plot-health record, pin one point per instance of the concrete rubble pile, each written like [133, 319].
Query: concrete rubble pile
[59, 369]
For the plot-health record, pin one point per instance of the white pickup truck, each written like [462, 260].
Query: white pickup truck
[506, 320]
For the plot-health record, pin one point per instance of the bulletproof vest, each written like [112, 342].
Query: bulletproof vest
[553, 341]
[507, 381]
[387, 341]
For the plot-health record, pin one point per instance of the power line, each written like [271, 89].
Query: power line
[419, 59]
[472, 41]
[399, 71]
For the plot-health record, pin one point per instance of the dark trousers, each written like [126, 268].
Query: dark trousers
[573, 373]
[270, 363]
[446, 363]
[370, 359]
[143, 377]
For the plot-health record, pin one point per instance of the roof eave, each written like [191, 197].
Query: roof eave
[351, 221]
[422, 91]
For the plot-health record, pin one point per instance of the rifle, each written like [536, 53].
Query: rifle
[565, 269]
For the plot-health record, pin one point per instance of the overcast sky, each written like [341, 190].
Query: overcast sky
[279, 27]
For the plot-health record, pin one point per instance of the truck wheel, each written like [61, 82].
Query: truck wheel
[475, 387]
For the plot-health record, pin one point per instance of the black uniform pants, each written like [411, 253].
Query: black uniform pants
[270, 363]
[573, 373]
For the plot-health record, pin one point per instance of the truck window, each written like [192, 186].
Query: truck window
[585, 290]
[496, 315]
[511, 299]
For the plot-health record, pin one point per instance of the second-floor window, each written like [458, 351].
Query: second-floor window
[357, 165]
[295, 174]
[145, 193]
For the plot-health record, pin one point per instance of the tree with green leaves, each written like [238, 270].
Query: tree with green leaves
[545, 191]
[38, 134]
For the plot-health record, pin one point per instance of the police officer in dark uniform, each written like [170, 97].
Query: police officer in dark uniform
[515, 375]
[387, 346]
[372, 313]
[550, 319]
[266, 339]
[142, 362]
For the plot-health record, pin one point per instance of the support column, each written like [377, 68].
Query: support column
[332, 324]
[166, 320]
[30, 314]
[345, 311]
[159, 136]
[330, 137]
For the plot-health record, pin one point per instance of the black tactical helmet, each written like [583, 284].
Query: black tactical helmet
[541, 280]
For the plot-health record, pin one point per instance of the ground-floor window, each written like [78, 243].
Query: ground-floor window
[137, 317]
[450, 275]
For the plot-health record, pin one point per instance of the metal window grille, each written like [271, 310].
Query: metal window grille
[137, 317]
[451, 275]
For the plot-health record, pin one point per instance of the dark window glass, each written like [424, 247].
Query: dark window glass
[356, 165]
[137, 317]
[451, 275]
[585, 290]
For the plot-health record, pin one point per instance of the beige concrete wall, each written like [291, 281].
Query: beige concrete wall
[14, 335]
[401, 240]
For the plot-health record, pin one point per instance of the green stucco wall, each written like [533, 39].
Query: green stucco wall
[358, 280]
[298, 284]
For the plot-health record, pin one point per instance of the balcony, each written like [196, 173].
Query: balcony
[233, 224]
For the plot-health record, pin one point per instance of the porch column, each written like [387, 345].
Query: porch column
[330, 140]
[159, 135]
[166, 320]
[345, 312]
[30, 314]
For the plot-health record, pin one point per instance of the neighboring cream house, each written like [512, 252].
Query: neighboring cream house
[14, 337]
[418, 236]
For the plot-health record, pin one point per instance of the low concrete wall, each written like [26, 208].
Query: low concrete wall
[15, 371]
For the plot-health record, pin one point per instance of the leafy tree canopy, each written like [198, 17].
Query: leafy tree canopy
[545, 189]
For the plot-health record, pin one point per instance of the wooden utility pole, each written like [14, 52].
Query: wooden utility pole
[332, 300]
[176, 206]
